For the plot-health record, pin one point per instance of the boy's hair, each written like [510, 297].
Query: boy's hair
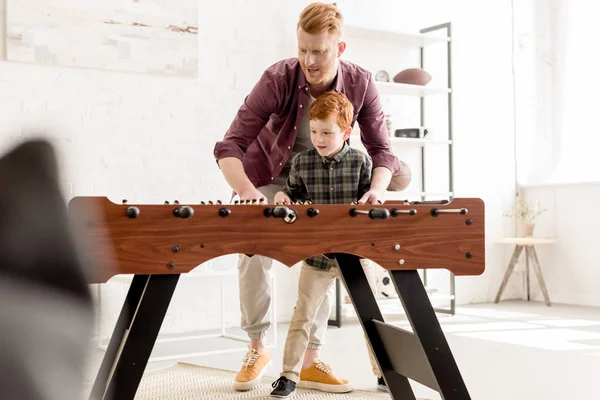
[319, 17]
[332, 103]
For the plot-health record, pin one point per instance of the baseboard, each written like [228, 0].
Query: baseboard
[570, 299]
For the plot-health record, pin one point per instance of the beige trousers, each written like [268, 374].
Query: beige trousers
[314, 286]
[255, 290]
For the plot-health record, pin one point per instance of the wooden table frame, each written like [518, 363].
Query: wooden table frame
[158, 243]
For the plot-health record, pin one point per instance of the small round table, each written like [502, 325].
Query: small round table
[527, 243]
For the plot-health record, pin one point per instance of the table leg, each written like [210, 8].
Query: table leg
[422, 355]
[134, 336]
[509, 270]
[527, 257]
[357, 285]
[538, 271]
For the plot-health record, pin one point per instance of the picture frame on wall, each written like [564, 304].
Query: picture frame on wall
[148, 37]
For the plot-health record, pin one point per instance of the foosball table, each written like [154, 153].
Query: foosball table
[159, 242]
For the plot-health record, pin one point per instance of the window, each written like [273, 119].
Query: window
[575, 91]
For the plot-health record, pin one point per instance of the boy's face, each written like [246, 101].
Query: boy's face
[327, 136]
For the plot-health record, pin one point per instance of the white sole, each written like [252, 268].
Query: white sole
[242, 386]
[281, 397]
[324, 387]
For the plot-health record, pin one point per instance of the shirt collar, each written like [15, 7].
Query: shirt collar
[338, 81]
[338, 157]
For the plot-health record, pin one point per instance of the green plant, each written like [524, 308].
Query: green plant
[525, 211]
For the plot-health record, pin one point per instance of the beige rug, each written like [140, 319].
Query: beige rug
[184, 381]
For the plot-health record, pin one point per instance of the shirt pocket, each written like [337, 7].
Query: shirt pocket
[276, 123]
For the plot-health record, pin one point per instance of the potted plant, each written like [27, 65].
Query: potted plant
[526, 214]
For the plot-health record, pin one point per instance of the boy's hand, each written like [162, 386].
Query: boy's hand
[373, 196]
[281, 198]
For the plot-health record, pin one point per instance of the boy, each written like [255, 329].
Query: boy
[331, 173]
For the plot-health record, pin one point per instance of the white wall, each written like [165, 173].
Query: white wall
[558, 153]
[150, 139]
[570, 267]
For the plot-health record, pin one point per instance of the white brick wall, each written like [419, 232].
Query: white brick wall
[150, 139]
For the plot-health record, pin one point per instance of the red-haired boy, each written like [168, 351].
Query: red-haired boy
[331, 173]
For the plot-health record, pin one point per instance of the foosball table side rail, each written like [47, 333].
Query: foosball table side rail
[168, 239]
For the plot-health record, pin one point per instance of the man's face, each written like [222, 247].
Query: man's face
[327, 136]
[318, 55]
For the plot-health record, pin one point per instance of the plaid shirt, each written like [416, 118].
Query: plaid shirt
[342, 180]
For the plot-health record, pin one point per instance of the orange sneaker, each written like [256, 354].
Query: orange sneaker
[255, 366]
[320, 377]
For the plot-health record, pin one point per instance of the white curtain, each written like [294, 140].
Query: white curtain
[576, 90]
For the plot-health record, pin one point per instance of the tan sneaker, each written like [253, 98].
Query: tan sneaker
[255, 366]
[320, 377]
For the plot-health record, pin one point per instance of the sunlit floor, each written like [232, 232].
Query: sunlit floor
[512, 350]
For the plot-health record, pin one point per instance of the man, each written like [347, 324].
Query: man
[271, 127]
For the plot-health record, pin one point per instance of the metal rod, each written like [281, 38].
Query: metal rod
[452, 211]
[448, 27]
[395, 211]
[361, 212]
[422, 124]
[452, 293]
[435, 28]
[450, 150]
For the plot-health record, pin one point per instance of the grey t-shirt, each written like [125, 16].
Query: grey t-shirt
[303, 141]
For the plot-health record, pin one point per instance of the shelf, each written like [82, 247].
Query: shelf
[405, 195]
[393, 305]
[405, 89]
[195, 273]
[410, 39]
[419, 142]
[407, 141]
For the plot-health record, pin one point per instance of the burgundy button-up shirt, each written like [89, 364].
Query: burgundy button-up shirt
[264, 130]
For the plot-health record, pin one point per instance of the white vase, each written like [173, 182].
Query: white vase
[525, 230]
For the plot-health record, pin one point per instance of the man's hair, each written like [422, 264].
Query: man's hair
[332, 103]
[318, 17]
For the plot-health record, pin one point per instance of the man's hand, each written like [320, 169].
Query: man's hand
[379, 182]
[252, 194]
[373, 196]
[233, 171]
[281, 198]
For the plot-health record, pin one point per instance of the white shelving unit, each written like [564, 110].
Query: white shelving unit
[439, 35]
[391, 306]
[410, 141]
[405, 89]
[409, 195]
[406, 38]
[203, 274]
